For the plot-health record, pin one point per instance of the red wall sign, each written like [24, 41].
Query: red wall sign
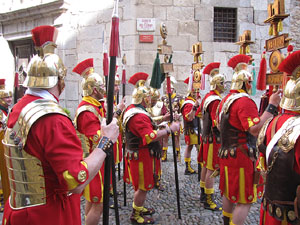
[146, 38]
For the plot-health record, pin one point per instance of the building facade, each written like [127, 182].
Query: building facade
[216, 23]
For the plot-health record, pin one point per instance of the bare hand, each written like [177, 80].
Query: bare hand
[175, 126]
[122, 105]
[275, 98]
[111, 130]
[166, 117]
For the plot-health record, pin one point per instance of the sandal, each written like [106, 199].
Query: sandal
[142, 220]
[148, 211]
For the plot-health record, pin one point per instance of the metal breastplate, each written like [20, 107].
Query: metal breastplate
[282, 181]
[85, 142]
[208, 132]
[231, 137]
[25, 172]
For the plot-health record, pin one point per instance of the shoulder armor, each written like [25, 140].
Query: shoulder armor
[131, 112]
[210, 99]
[262, 133]
[86, 108]
[31, 113]
[290, 134]
[231, 99]
[187, 102]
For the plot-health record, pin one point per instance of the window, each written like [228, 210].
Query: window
[225, 23]
[22, 50]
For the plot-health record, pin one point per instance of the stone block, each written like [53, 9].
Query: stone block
[246, 26]
[89, 46]
[147, 57]
[223, 3]
[144, 11]
[179, 43]
[182, 72]
[245, 3]
[132, 57]
[172, 27]
[183, 3]
[90, 32]
[67, 39]
[104, 16]
[70, 60]
[245, 15]
[193, 40]
[182, 58]
[71, 90]
[205, 31]
[260, 16]
[159, 2]
[160, 12]
[259, 5]
[88, 19]
[204, 12]
[127, 27]
[180, 13]
[188, 27]
[129, 42]
[262, 32]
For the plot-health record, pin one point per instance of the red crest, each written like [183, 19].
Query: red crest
[235, 60]
[44, 34]
[137, 77]
[210, 67]
[84, 66]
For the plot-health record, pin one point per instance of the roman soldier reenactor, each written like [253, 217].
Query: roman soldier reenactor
[279, 143]
[5, 103]
[239, 124]
[210, 135]
[89, 115]
[188, 110]
[142, 147]
[44, 157]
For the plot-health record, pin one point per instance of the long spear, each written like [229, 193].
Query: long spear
[109, 164]
[167, 67]
[105, 59]
[123, 138]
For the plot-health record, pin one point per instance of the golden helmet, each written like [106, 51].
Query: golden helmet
[140, 91]
[91, 79]
[4, 93]
[241, 74]
[46, 68]
[154, 93]
[291, 93]
[216, 79]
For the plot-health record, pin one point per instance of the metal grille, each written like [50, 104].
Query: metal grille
[225, 22]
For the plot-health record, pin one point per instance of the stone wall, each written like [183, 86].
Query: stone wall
[81, 24]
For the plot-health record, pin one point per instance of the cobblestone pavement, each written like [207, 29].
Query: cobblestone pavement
[165, 202]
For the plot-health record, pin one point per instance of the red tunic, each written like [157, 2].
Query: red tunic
[236, 174]
[53, 140]
[141, 172]
[210, 150]
[191, 139]
[89, 125]
[265, 218]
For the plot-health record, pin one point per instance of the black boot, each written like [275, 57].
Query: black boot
[202, 195]
[226, 220]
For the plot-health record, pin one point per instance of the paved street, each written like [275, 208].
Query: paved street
[165, 203]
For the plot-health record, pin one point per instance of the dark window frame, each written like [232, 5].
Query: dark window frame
[225, 24]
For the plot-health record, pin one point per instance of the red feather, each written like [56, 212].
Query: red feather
[137, 77]
[290, 63]
[262, 77]
[2, 81]
[83, 66]
[210, 67]
[187, 80]
[105, 64]
[123, 76]
[235, 60]
[44, 34]
[114, 48]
